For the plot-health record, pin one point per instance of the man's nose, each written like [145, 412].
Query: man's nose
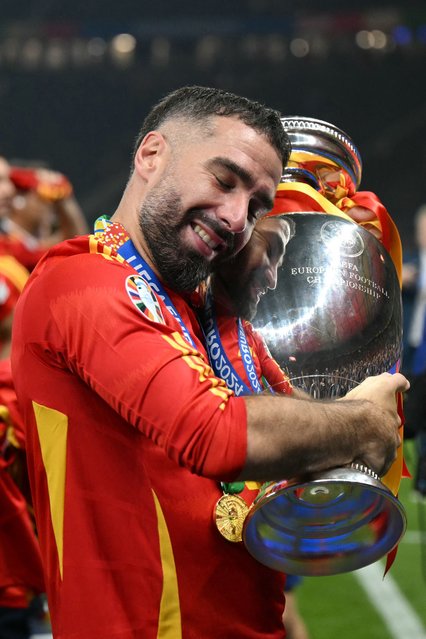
[233, 214]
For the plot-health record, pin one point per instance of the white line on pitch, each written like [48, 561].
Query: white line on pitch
[414, 537]
[398, 615]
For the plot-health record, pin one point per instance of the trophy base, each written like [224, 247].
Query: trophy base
[324, 524]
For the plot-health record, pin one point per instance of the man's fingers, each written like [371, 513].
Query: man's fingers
[402, 382]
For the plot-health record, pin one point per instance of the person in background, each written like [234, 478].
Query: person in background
[37, 210]
[414, 363]
[13, 277]
[414, 294]
[27, 217]
[21, 573]
[7, 188]
[12, 274]
[21, 577]
[42, 212]
[294, 623]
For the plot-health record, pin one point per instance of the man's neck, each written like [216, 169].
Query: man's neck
[131, 224]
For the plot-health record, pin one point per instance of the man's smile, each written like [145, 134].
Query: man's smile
[211, 244]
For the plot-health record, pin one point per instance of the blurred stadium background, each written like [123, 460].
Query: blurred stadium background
[76, 79]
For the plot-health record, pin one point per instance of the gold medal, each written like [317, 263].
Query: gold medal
[229, 514]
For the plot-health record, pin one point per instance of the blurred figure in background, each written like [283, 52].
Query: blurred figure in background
[21, 574]
[21, 577]
[37, 209]
[7, 188]
[13, 277]
[43, 211]
[414, 295]
[13, 274]
[414, 299]
[292, 619]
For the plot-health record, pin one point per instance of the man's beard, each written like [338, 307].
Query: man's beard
[180, 267]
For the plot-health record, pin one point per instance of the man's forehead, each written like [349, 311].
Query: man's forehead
[207, 127]
[234, 127]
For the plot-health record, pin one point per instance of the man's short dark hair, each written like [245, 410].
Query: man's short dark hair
[199, 103]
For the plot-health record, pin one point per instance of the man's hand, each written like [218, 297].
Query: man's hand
[380, 434]
[288, 436]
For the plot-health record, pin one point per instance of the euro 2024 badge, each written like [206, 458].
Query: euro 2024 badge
[144, 298]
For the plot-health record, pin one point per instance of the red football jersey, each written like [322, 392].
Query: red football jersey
[128, 433]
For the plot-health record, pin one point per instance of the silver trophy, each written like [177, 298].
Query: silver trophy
[333, 319]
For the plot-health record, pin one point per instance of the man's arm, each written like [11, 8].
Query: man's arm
[287, 436]
[96, 331]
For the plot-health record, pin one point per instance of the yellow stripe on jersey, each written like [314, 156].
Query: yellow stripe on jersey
[169, 620]
[14, 271]
[195, 361]
[52, 427]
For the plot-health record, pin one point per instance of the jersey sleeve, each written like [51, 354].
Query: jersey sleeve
[107, 327]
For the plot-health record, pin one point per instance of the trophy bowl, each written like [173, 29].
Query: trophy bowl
[333, 319]
[324, 524]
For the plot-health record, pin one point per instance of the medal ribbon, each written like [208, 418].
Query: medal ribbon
[219, 360]
[248, 359]
[128, 251]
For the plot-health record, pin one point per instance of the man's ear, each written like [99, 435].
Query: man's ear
[150, 154]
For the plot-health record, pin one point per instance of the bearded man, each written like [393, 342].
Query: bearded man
[129, 432]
